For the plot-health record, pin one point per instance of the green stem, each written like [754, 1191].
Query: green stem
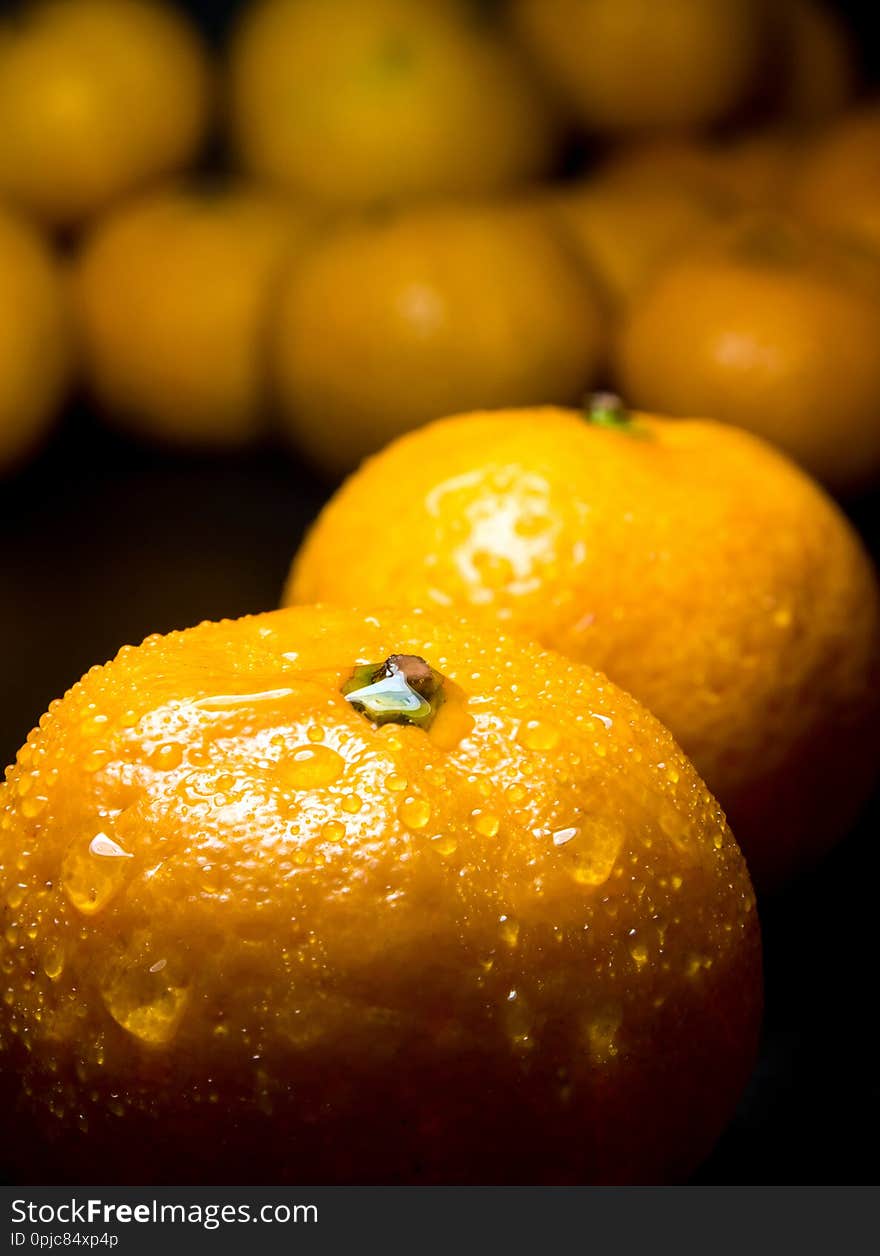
[606, 409]
[402, 690]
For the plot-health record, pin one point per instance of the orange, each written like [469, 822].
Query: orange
[774, 328]
[751, 170]
[174, 294]
[698, 568]
[817, 77]
[839, 181]
[626, 66]
[35, 339]
[255, 932]
[401, 318]
[356, 102]
[624, 229]
[97, 97]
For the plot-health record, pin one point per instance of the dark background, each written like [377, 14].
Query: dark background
[103, 541]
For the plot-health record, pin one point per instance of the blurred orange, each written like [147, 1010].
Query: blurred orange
[639, 65]
[839, 181]
[251, 934]
[398, 319]
[775, 328]
[816, 76]
[96, 98]
[623, 229]
[356, 102]
[174, 297]
[752, 170]
[35, 338]
[691, 563]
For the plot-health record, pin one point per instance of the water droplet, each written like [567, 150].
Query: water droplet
[91, 876]
[53, 964]
[563, 836]
[519, 1023]
[672, 775]
[167, 756]
[104, 847]
[603, 719]
[509, 930]
[536, 735]
[594, 852]
[333, 831]
[516, 793]
[414, 813]
[144, 1002]
[694, 964]
[602, 1032]
[782, 618]
[310, 767]
[315, 733]
[397, 784]
[351, 803]
[639, 953]
[486, 823]
[33, 805]
[15, 897]
[445, 844]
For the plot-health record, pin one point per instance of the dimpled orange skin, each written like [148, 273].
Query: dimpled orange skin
[36, 352]
[520, 946]
[390, 322]
[174, 294]
[772, 327]
[97, 97]
[691, 563]
[629, 66]
[839, 181]
[362, 102]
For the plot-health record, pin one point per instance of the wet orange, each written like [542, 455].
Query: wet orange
[35, 339]
[401, 318]
[695, 566]
[357, 102]
[626, 66]
[97, 97]
[838, 186]
[771, 326]
[174, 295]
[250, 934]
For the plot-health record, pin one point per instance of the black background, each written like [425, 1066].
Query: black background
[103, 541]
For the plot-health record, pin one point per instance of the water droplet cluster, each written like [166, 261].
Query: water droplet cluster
[256, 884]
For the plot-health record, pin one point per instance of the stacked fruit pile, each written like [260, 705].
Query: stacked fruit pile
[350, 893]
[380, 250]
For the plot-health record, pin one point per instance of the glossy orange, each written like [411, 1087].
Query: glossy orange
[174, 295]
[695, 566]
[772, 326]
[399, 318]
[629, 66]
[363, 102]
[97, 98]
[252, 935]
[36, 352]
